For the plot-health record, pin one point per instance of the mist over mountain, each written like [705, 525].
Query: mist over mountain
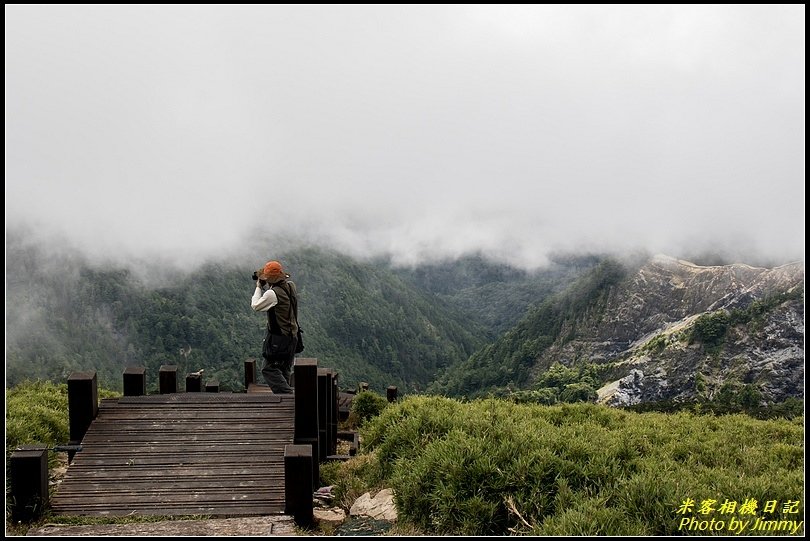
[635, 329]
[370, 321]
[180, 135]
[444, 182]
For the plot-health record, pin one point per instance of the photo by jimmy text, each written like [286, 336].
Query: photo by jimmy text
[732, 517]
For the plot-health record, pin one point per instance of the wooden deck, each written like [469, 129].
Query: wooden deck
[181, 454]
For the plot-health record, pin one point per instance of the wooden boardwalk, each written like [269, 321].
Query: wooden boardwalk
[181, 454]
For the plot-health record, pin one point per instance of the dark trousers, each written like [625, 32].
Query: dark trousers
[277, 374]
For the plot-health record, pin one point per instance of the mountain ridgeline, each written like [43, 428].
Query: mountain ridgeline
[582, 328]
[370, 321]
[661, 330]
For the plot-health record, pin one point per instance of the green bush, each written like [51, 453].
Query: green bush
[546, 396]
[366, 405]
[578, 392]
[710, 329]
[560, 384]
[741, 398]
[656, 344]
[590, 517]
[493, 467]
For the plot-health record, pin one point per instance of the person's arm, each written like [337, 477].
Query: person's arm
[263, 301]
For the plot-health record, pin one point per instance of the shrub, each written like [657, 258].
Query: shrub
[578, 392]
[657, 344]
[710, 329]
[493, 467]
[365, 406]
[546, 396]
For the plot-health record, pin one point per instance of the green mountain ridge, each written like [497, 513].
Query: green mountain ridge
[509, 361]
[368, 320]
[464, 327]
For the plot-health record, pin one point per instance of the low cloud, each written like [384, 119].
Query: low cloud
[181, 134]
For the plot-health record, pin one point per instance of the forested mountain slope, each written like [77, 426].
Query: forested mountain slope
[370, 321]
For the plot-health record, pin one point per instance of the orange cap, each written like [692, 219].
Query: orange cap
[272, 272]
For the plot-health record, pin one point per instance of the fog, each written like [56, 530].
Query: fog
[184, 133]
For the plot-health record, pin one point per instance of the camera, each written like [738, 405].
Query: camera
[256, 277]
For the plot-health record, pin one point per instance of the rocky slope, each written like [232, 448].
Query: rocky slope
[643, 330]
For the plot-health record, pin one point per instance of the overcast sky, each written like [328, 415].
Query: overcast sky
[414, 131]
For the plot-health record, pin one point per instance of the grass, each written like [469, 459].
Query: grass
[492, 467]
[37, 412]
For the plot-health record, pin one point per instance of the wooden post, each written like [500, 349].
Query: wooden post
[344, 404]
[391, 393]
[355, 444]
[306, 408]
[333, 414]
[194, 383]
[28, 480]
[329, 446]
[298, 483]
[250, 372]
[323, 413]
[212, 386]
[134, 381]
[168, 378]
[82, 403]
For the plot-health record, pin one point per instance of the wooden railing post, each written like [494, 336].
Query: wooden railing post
[82, 403]
[324, 386]
[28, 480]
[306, 409]
[391, 393]
[194, 383]
[168, 378]
[212, 386]
[134, 381]
[333, 414]
[250, 372]
[298, 483]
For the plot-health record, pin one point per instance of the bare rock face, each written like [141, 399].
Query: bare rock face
[642, 332]
[381, 506]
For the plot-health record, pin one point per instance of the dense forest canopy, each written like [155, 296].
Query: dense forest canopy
[369, 320]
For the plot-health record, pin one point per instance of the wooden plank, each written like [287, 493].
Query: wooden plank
[190, 438]
[243, 509]
[144, 471]
[112, 462]
[174, 454]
